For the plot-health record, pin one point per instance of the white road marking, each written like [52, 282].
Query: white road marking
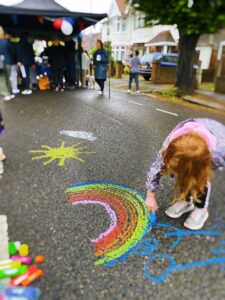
[135, 103]
[104, 115]
[167, 112]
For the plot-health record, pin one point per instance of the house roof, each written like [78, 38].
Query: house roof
[163, 38]
[122, 5]
[211, 39]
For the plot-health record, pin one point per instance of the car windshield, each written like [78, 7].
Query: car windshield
[147, 58]
[170, 59]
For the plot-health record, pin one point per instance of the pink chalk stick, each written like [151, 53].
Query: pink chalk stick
[24, 260]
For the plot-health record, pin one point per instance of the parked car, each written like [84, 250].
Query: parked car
[166, 59]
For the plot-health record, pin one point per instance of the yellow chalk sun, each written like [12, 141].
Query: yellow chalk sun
[62, 153]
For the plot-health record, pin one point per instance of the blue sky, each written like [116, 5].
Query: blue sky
[94, 6]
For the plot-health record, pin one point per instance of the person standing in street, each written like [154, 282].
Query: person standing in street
[70, 46]
[57, 63]
[85, 67]
[101, 60]
[8, 51]
[25, 61]
[134, 72]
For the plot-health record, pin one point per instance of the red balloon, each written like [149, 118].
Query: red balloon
[57, 24]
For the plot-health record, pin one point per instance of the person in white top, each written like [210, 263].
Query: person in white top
[85, 67]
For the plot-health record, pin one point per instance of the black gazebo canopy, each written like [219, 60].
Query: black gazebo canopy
[36, 17]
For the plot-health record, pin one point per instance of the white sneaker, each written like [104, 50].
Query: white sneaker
[128, 91]
[100, 93]
[178, 209]
[197, 219]
[9, 97]
[16, 91]
[26, 92]
[137, 92]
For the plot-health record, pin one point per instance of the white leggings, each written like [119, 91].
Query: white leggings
[13, 77]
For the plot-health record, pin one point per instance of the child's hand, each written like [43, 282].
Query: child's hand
[151, 202]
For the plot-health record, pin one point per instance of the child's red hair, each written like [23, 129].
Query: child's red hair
[189, 158]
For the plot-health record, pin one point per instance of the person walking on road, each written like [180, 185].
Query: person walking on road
[190, 153]
[101, 60]
[134, 72]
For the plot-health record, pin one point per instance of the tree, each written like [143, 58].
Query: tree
[108, 47]
[193, 18]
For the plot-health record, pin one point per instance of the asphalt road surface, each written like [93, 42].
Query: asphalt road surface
[129, 131]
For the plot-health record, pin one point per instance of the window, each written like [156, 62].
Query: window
[123, 25]
[118, 53]
[119, 24]
[139, 21]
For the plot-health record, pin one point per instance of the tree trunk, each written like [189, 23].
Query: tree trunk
[185, 72]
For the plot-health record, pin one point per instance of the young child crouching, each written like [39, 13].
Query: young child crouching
[190, 153]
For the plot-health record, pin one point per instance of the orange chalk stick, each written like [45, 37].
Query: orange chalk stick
[19, 279]
[39, 259]
[32, 277]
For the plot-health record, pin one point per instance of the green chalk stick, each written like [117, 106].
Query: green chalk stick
[13, 272]
[12, 248]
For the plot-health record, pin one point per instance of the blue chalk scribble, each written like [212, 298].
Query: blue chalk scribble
[148, 248]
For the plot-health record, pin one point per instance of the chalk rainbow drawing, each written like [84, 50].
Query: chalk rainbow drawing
[130, 224]
[61, 153]
[127, 210]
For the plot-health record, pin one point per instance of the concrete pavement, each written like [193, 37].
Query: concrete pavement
[129, 130]
[201, 97]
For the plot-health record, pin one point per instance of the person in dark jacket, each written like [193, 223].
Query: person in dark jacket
[25, 60]
[57, 63]
[70, 60]
[101, 60]
[8, 51]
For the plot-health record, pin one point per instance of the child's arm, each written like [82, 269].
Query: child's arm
[151, 202]
[152, 184]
